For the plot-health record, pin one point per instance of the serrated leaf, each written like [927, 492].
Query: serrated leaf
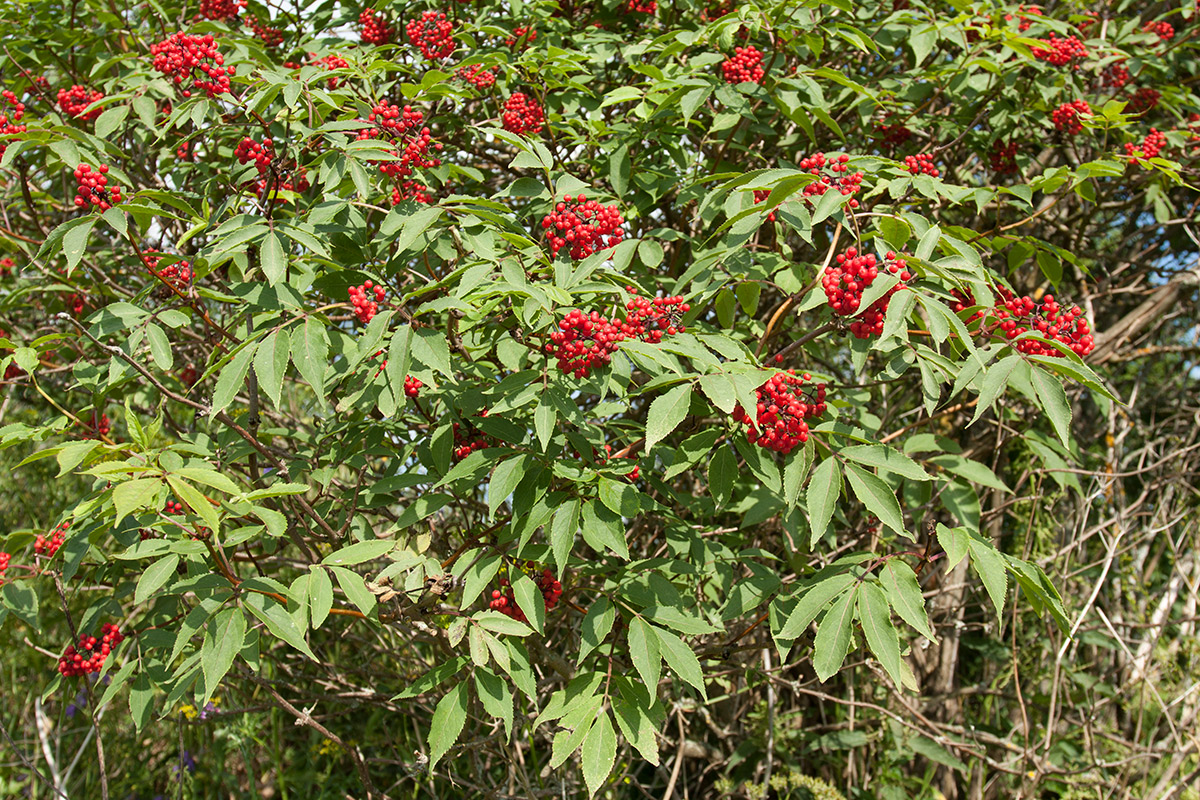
[599, 752]
[878, 497]
[447, 723]
[812, 602]
[994, 381]
[681, 659]
[154, 576]
[134, 495]
[496, 698]
[878, 455]
[954, 542]
[530, 600]
[832, 641]
[359, 552]
[544, 417]
[310, 354]
[74, 243]
[320, 596]
[824, 488]
[989, 564]
[271, 361]
[904, 594]
[505, 477]
[876, 619]
[645, 653]
[666, 412]
[278, 621]
[273, 258]
[478, 575]
[232, 378]
[597, 624]
[562, 533]
[1054, 402]
[721, 472]
[222, 643]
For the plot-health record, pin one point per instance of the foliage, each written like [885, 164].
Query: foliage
[505, 383]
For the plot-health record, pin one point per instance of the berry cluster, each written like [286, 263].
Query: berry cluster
[745, 66]
[432, 34]
[173, 507]
[584, 225]
[1115, 75]
[1019, 315]
[892, 135]
[74, 102]
[181, 55]
[504, 602]
[88, 657]
[468, 438]
[398, 126]
[330, 63]
[584, 342]
[718, 9]
[1025, 22]
[366, 306]
[411, 190]
[7, 265]
[522, 114]
[785, 404]
[524, 36]
[412, 386]
[759, 196]
[179, 274]
[48, 546]
[641, 6]
[99, 426]
[270, 37]
[845, 282]
[1061, 52]
[76, 302]
[1150, 147]
[1143, 100]
[261, 153]
[630, 476]
[1164, 30]
[846, 182]
[375, 29]
[221, 9]
[4, 559]
[478, 76]
[1004, 158]
[1067, 116]
[921, 164]
[11, 125]
[92, 188]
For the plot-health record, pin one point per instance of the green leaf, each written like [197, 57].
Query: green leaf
[666, 412]
[154, 576]
[496, 697]
[544, 417]
[644, 650]
[160, 346]
[681, 659]
[271, 361]
[447, 723]
[359, 552]
[878, 497]
[876, 620]
[620, 497]
[505, 477]
[904, 594]
[399, 359]
[431, 348]
[832, 641]
[994, 381]
[596, 626]
[136, 494]
[599, 753]
[273, 258]
[721, 472]
[1054, 401]
[638, 727]
[954, 542]
[812, 602]
[355, 588]
[878, 455]
[562, 533]
[529, 599]
[320, 596]
[989, 564]
[278, 621]
[223, 640]
[824, 488]
[415, 225]
[310, 354]
[232, 378]
[74, 243]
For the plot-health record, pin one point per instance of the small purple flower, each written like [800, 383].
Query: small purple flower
[189, 763]
[71, 711]
[208, 709]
